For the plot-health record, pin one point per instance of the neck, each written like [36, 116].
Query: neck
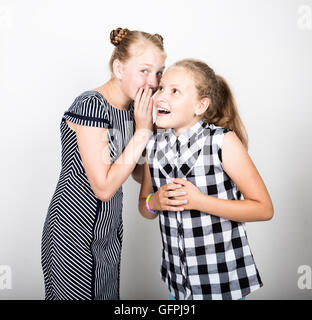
[113, 93]
[181, 130]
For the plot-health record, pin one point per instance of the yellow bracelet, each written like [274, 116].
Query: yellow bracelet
[147, 206]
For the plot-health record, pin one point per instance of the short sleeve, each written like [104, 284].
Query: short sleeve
[89, 110]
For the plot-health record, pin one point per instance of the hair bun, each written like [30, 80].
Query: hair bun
[159, 37]
[117, 35]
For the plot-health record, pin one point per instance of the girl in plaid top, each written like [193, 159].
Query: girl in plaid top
[198, 167]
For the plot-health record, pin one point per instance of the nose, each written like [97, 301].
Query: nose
[160, 96]
[153, 82]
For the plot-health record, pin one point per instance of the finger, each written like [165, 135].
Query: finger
[167, 208]
[144, 96]
[147, 99]
[150, 105]
[176, 193]
[172, 186]
[138, 97]
[179, 181]
[176, 202]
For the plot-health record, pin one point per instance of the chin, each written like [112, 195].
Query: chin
[162, 124]
[132, 96]
[132, 93]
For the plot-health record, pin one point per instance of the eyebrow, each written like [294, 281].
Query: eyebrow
[151, 66]
[171, 85]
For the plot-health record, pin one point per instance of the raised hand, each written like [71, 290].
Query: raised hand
[143, 109]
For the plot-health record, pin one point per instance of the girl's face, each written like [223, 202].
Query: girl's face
[176, 100]
[145, 67]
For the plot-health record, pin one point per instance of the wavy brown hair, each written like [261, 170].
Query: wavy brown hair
[222, 110]
[123, 39]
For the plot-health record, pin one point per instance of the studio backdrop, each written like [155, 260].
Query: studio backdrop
[51, 51]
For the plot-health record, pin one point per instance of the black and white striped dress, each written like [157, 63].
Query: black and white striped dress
[82, 236]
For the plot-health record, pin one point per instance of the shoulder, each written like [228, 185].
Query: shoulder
[89, 109]
[217, 130]
[226, 144]
[89, 103]
[217, 134]
[231, 142]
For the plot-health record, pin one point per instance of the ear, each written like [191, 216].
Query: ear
[202, 106]
[118, 69]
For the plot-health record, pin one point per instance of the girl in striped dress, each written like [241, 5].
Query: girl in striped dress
[101, 145]
[197, 168]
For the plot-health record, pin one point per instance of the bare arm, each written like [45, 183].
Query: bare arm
[137, 173]
[146, 189]
[161, 200]
[106, 178]
[257, 204]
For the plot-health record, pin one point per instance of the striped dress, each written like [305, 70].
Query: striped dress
[82, 235]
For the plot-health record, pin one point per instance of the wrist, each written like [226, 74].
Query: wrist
[147, 205]
[143, 134]
[152, 203]
[199, 202]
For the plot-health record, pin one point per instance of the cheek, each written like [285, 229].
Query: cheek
[133, 83]
[138, 81]
[182, 109]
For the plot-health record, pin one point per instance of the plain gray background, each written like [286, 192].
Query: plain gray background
[51, 51]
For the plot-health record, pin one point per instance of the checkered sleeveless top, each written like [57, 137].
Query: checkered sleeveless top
[204, 256]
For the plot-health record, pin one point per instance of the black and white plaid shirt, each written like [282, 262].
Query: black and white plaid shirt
[204, 256]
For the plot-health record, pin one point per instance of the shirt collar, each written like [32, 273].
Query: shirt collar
[186, 136]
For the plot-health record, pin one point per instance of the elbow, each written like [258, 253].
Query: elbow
[268, 213]
[137, 178]
[103, 196]
[102, 193]
[142, 210]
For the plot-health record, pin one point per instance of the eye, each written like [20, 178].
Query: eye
[144, 71]
[159, 74]
[175, 91]
[160, 88]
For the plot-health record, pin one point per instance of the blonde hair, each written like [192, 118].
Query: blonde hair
[222, 110]
[122, 39]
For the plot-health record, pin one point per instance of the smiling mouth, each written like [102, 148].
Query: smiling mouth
[162, 111]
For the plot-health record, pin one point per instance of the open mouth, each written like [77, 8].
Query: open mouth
[162, 111]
